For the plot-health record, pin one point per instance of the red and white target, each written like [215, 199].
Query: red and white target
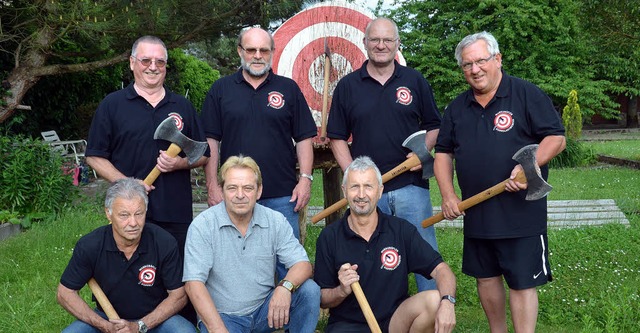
[147, 275]
[300, 48]
[503, 121]
[390, 258]
[177, 118]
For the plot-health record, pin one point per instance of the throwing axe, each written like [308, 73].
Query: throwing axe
[415, 142]
[537, 187]
[167, 130]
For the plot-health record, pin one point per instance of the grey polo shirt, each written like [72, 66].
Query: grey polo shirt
[239, 271]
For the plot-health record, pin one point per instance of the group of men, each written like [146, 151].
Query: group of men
[240, 264]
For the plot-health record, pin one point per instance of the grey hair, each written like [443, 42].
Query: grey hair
[382, 18]
[492, 44]
[244, 31]
[126, 188]
[362, 163]
[150, 40]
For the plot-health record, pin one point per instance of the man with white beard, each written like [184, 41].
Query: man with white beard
[257, 113]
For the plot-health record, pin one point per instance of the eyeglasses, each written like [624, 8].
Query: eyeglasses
[146, 62]
[480, 62]
[252, 50]
[386, 41]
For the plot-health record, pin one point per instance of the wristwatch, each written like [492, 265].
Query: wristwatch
[304, 175]
[449, 298]
[142, 327]
[288, 285]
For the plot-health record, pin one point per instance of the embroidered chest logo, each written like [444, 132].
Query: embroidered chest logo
[275, 100]
[390, 258]
[403, 96]
[147, 275]
[503, 121]
[177, 118]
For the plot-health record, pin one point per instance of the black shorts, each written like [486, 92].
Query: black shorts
[524, 262]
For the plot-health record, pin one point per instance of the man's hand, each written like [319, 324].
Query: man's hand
[123, 326]
[347, 275]
[279, 306]
[450, 208]
[214, 195]
[512, 185]
[166, 163]
[417, 167]
[301, 193]
[445, 317]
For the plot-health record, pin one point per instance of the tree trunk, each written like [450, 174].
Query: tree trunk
[632, 113]
[31, 67]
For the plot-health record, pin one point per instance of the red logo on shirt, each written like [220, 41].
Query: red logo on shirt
[177, 118]
[403, 95]
[147, 275]
[503, 121]
[390, 258]
[275, 100]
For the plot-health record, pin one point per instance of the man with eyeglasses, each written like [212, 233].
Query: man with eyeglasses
[379, 106]
[505, 237]
[257, 113]
[121, 142]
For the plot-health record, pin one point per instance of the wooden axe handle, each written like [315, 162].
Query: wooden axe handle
[325, 97]
[401, 168]
[476, 199]
[172, 151]
[366, 309]
[102, 299]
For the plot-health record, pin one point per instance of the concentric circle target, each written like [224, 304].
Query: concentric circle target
[300, 47]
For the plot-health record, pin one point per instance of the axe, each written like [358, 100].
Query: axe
[167, 130]
[102, 299]
[366, 308]
[415, 142]
[537, 187]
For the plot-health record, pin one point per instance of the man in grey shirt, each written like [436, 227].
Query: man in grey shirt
[230, 262]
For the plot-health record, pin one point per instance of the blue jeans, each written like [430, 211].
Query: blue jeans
[303, 314]
[282, 205]
[172, 325]
[412, 203]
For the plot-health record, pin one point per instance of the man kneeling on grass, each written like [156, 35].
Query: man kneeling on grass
[138, 267]
[230, 262]
[379, 251]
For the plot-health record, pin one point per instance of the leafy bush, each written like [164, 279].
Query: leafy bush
[33, 181]
[574, 155]
[188, 73]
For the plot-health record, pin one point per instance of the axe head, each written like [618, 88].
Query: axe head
[167, 130]
[537, 187]
[416, 142]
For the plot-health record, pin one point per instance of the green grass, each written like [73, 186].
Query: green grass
[629, 149]
[596, 269]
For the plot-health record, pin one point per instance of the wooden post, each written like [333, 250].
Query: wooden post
[332, 181]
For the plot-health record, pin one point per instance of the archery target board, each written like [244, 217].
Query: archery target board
[300, 48]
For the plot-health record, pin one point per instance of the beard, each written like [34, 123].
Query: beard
[247, 67]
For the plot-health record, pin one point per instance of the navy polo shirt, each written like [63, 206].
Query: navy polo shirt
[483, 141]
[260, 123]
[136, 286]
[394, 250]
[381, 117]
[122, 132]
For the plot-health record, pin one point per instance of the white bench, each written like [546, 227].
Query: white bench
[560, 213]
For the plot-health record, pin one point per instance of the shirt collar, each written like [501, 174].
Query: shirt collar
[365, 74]
[380, 228]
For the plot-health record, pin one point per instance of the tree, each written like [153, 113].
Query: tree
[45, 38]
[614, 29]
[541, 41]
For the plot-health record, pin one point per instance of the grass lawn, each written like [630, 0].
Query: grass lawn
[596, 270]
